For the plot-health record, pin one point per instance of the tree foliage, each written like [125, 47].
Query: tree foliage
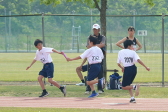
[26, 25]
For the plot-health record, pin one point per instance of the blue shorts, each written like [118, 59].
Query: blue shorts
[48, 70]
[84, 68]
[94, 71]
[129, 75]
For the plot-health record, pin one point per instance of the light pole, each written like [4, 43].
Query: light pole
[73, 30]
[91, 19]
[6, 44]
[10, 24]
[134, 12]
[73, 17]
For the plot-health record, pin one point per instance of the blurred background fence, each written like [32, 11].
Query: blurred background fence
[69, 33]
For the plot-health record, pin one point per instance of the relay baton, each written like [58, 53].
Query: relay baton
[64, 55]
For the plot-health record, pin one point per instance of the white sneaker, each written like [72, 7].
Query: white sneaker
[87, 92]
[96, 84]
[100, 92]
[80, 84]
[102, 82]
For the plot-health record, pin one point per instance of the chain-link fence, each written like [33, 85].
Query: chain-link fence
[69, 33]
[19, 32]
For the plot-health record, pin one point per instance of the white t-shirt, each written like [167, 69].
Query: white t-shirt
[127, 57]
[94, 55]
[44, 55]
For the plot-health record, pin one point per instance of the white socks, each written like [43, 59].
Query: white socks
[134, 87]
[132, 98]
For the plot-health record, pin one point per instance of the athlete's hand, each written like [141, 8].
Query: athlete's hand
[27, 67]
[123, 70]
[147, 68]
[68, 59]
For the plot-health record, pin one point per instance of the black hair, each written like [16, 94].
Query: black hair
[128, 43]
[37, 41]
[131, 28]
[93, 39]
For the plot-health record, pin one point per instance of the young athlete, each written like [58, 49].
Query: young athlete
[94, 56]
[131, 32]
[101, 39]
[128, 57]
[43, 55]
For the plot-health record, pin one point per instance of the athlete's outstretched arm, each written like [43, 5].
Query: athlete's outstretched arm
[71, 59]
[56, 51]
[31, 64]
[143, 64]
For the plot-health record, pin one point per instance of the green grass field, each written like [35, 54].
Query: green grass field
[13, 67]
[78, 91]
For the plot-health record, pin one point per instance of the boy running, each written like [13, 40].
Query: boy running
[128, 57]
[101, 39]
[94, 56]
[43, 55]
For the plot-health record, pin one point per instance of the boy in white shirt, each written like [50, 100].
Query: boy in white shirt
[94, 56]
[128, 57]
[43, 55]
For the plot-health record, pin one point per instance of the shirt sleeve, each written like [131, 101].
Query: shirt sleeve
[36, 57]
[85, 54]
[48, 50]
[118, 59]
[103, 40]
[102, 56]
[136, 57]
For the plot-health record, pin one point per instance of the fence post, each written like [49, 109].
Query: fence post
[6, 42]
[17, 38]
[144, 44]
[27, 44]
[61, 44]
[43, 29]
[43, 36]
[30, 44]
[163, 49]
[77, 44]
[111, 45]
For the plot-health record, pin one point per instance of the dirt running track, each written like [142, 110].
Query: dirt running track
[94, 103]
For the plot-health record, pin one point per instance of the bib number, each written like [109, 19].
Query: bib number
[128, 60]
[42, 60]
[94, 58]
